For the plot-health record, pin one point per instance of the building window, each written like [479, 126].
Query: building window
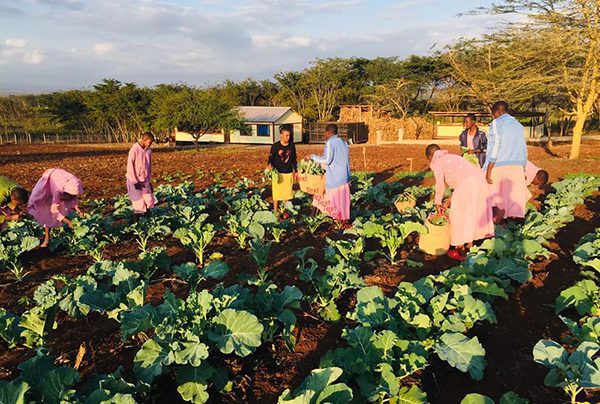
[263, 130]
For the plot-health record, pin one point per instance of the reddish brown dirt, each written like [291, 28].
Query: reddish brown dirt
[263, 376]
[102, 167]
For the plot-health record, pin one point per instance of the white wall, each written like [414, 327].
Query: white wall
[237, 137]
[289, 118]
[186, 137]
[453, 131]
[294, 119]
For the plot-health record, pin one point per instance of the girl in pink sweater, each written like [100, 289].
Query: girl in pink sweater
[139, 175]
[52, 198]
[470, 204]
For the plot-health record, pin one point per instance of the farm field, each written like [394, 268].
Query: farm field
[298, 305]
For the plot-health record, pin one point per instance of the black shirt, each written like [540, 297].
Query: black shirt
[283, 158]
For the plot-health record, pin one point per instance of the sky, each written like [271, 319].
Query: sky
[48, 45]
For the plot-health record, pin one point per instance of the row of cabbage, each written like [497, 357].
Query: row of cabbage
[574, 364]
[393, 337]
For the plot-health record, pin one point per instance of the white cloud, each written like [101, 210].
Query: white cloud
[302, 41]
[336, 5]
[34, 57]
[281, 41]
[16, 42]
[207, 41]
[70, 4]
[103, 48]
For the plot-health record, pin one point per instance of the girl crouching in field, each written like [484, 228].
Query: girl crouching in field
[13, 200]
[470, 204]
[282, 158]
[52, 198]
[535, 175]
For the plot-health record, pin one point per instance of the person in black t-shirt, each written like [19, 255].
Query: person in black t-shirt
[282, 157]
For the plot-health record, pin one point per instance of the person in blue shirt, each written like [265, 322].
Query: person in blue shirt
[336, 159]
[474, 139]
[505, 165]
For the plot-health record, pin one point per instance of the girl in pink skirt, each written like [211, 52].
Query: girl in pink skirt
[336, 160]
[470, 204]
[505, 165]
[52, 198]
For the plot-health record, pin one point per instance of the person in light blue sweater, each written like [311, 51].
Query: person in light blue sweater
[505, 164]
[336, 159]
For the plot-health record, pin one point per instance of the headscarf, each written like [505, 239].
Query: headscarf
[73, 186]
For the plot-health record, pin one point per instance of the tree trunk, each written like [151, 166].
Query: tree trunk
[548, 129]
[577, 133]
[584, 107]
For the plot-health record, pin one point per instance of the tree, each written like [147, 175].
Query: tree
[572, 36]
[383, 70]
[196, 111]
[427, 74]
[68, 109]
[249, 92]
[293, 92]
[119, 110]
[24, 115]
[499, 67]
[395, 97]
[13, 111]
[325, 80]
[453, 96]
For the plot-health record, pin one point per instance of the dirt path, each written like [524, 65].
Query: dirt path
[525, 318]
[102, 167]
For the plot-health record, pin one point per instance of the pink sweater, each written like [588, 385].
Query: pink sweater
[450, 170]
[45, 203]
[139, 164]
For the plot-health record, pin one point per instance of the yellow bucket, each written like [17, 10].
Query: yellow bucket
[283, 187]
[437, 239]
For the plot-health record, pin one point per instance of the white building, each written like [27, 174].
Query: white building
[263, 124]
[449, 125]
